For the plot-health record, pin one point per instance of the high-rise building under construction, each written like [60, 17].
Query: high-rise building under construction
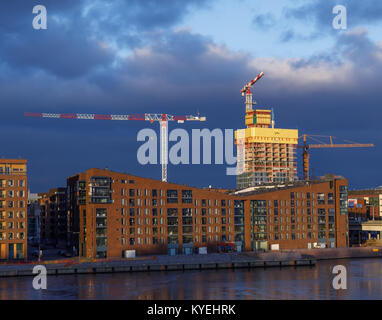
[265, 154]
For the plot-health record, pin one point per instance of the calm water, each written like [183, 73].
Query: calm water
[364, 282]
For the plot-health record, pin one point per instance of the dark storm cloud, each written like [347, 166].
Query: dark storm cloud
[357, 47]
[75, 42]
[143, 15]
[62, 53]
[178, 72]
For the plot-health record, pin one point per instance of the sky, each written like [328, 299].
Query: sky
[183, 57]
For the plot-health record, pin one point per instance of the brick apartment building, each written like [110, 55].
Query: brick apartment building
[13, 209]
[297, 215]
[33, 215]
[54, 217]
[365, 204]
[110, 212]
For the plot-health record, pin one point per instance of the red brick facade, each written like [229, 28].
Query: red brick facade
[13, 209]
[111, 212]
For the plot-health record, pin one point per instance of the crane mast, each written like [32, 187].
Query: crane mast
[248, 93]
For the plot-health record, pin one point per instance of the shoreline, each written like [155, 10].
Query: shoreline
[284, 258]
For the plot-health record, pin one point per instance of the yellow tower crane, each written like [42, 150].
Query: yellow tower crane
[321, 144]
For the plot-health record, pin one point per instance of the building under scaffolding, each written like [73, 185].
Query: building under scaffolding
[265, 154]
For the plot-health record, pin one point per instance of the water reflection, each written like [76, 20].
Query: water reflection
[364, 282]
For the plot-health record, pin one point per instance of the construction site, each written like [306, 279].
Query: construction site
[104, 214]
[268, 155]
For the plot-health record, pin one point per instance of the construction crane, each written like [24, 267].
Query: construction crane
[161, 118]
[248, 93]
[321, 144]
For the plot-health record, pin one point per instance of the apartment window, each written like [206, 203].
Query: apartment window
[330, 198]
[10, 183]
[223, 203]
[154, 193]
[187, 212]
[172, 196]
[321, 211]
[321, 198]
[186, 196]
[172, 212]
[132, 202]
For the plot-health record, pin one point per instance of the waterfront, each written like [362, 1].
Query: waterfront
[364, 282]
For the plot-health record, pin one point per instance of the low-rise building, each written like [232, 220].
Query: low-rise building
[33, 215]
[13, 209]
[297, 215]
[111, 212]
[365, 204]
[54, 217]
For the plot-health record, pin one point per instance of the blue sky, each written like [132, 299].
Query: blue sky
[180, 57]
